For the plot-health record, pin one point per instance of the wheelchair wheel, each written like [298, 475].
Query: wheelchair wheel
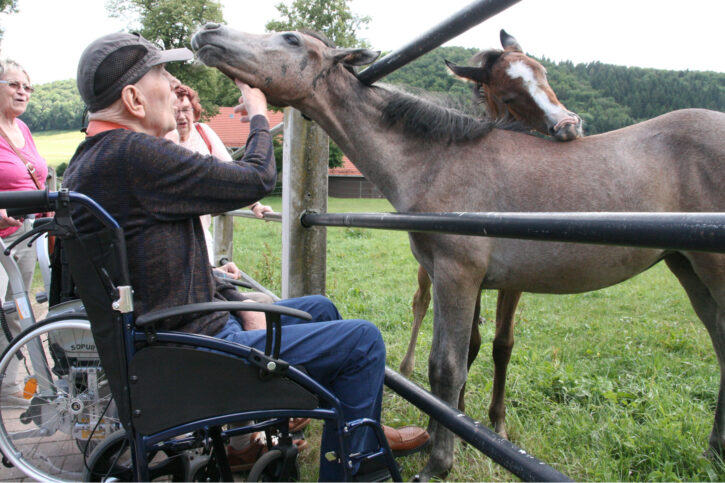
[271, 467]
[111, 461]
[68, 400]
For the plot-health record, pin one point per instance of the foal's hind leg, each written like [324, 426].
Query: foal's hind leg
[703, 277]
[473, 347]
[503, 344]
[421, 301]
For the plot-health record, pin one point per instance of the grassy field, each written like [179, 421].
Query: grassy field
[57, 146]
[614, 385]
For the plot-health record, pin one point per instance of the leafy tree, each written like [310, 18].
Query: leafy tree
[54, 106]
[429, 73]
[330, 17]
[171, 24]
[7, 6]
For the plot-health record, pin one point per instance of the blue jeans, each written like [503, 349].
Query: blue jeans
[347, 357]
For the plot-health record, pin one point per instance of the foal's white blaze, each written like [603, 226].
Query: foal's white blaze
[519, 70]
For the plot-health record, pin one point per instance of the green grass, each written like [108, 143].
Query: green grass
[614, 385]
[57, 146]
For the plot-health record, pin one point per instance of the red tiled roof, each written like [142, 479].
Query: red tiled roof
[234, 133]
[347, 169]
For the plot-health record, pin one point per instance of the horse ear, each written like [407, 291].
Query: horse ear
[509, 43]
[476, 74]
[355, 56]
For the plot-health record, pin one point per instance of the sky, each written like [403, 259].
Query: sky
[48, 36]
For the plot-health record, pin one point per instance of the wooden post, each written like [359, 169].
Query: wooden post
[223, 239]
[304, 188]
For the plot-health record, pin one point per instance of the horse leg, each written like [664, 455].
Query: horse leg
[503, 344]
[473, 346]
[455, 295]
[421, 301]
[703, 276]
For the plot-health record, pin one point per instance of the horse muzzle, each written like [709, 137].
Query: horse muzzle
[567, 129]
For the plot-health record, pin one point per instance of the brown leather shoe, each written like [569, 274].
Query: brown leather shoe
[244, 459]
[298, 424]
[406, 440]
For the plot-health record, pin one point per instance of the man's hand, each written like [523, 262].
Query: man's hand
[8, 221]
[253, 320]
[230, 270]
[252, 102]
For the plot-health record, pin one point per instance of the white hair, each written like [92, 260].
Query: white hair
[9, 64]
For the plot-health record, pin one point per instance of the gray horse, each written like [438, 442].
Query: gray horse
[674, 162]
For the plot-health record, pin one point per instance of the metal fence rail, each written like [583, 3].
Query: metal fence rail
[470, 16]
[500, 450]
[675, 231]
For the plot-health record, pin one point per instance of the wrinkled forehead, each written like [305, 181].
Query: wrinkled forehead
[183, 101]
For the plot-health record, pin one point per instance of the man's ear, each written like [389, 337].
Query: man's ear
[132, 99]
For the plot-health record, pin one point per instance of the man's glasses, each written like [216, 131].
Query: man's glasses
[17, 85]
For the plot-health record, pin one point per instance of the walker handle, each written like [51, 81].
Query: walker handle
[25, 202]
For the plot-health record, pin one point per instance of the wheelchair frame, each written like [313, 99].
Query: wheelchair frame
[129, 348]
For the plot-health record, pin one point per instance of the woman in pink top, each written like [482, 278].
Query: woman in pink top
[21, 168]
[199, 137]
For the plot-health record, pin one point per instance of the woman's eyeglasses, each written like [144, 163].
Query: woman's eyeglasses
[17, 85]
[186, 110]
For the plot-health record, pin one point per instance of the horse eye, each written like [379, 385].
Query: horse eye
[292, 39]
[508, 101]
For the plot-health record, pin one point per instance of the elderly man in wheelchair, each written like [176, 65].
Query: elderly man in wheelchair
[186, 360]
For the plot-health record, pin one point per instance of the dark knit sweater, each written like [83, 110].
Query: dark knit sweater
[157, 190]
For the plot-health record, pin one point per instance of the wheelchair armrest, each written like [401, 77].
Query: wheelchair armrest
[208, 307]
[231, 281]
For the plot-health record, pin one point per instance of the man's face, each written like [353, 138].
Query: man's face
[159, 101]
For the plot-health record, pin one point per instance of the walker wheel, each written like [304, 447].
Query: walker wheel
[273, 467]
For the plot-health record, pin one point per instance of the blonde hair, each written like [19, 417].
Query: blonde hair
[9, 64]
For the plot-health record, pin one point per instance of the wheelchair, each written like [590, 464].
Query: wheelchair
[161, 404]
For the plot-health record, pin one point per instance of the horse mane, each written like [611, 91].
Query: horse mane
[426, 119]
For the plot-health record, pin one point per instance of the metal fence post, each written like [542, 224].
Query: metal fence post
[304, 189]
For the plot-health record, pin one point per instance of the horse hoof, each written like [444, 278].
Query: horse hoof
[406, 371]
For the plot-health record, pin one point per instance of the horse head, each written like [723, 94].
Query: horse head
[512, 83]
[287, 66]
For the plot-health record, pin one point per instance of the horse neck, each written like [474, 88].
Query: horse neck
[350, 113]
